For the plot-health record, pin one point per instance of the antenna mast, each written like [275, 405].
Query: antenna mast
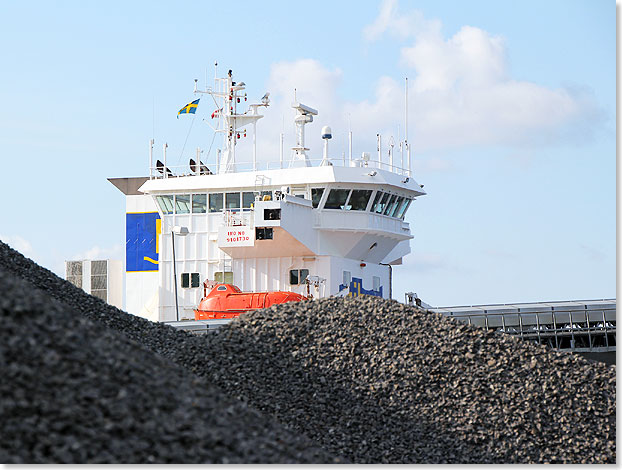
[350, 139]
[229, 94]
[406, 113]
[406, 144]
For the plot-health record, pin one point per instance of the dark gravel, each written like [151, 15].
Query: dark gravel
[74, 391]
[375, 381]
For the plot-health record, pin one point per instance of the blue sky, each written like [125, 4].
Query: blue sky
[511, 115]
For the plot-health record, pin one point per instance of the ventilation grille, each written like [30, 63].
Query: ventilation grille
[99, 268]
[99, 281]
[102, 294]
[74, 273]
[74, 268]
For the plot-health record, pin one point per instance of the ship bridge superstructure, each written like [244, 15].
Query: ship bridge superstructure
[271, 224]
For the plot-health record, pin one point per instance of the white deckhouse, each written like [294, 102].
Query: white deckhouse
[323, 227]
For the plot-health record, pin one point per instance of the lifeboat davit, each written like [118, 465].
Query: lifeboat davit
[228, 301]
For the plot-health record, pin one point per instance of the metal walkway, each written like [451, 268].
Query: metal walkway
[575, 326]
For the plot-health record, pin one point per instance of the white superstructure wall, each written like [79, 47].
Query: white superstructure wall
[270, 274]
[262, 236]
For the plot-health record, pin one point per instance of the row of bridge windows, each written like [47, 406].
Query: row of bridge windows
[383, 203]
[213, 202]
[359, 200]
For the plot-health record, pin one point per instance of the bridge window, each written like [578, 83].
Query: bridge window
[337, 199]
[215, 202]
[376, 283]
[182, 204]
[272, 214]
[165, 203]
[390, 204]
[394, 210]
[232, 201]
[316, 196]
[347, 278]
[298, 192]
[190, 280]
[359, 199]
[381, 202]
[223, 277]
[248, 198]
[199, 203]
[298, 276]
[264, 233]
[377, 199]
[401, 213]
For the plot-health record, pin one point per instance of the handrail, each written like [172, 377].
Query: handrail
[576, 329]
[474, 313]
[264, 165]
[577, 321]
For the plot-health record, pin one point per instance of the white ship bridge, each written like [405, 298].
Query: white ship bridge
[324, 227]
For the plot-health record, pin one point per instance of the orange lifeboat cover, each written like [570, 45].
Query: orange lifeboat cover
[228, 301]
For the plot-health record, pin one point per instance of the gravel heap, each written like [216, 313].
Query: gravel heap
[377, 381]
[373, 381]
[74, 391]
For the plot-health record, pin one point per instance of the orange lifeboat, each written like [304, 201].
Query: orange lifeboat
[228, 301]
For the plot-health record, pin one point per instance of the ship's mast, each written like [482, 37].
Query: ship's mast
[304, 115]
[406, 144]
[228, 95]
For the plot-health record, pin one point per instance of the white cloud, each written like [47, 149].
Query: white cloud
[96, 252]
[20, 244]
[316, 86]
[397, 23]
[471, 58]
[461, 94]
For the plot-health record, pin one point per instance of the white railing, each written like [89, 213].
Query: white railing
[262, 165]
[236, 218]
